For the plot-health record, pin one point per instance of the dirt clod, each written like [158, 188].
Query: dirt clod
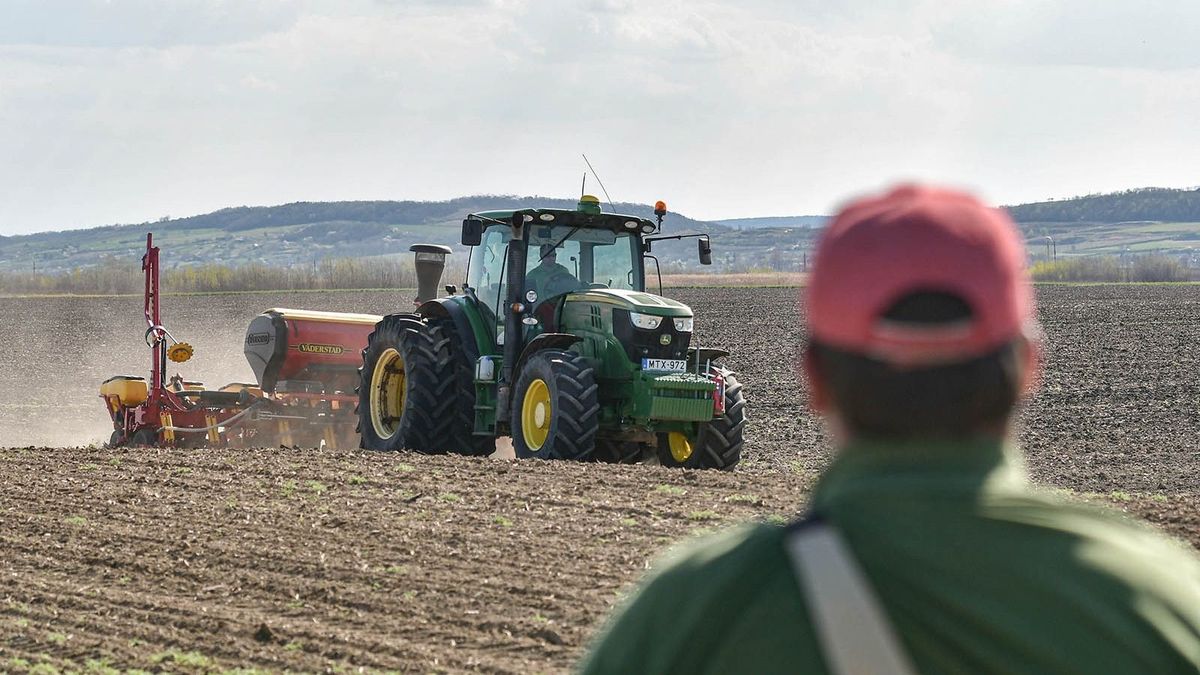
[264, 634]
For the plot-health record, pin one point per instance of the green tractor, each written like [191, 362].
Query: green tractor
[554, 341]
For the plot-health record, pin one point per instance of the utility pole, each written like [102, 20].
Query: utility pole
[1051, 247]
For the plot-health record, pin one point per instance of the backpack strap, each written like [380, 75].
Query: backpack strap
[855, 635]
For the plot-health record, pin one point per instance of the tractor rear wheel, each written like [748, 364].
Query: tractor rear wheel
[555, 410]
[462, 430]
[718, 444]
[406, 387]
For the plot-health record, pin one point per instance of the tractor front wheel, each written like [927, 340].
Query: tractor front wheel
[718, 444]
[555, 410]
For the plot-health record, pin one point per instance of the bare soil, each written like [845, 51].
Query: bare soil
[206, 560]
[728, 279]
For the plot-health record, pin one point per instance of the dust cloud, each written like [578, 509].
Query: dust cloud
[55, 352]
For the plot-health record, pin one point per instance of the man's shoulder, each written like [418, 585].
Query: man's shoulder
[705, 603]
[721, 556]
[1084, 519]
[1110, 541]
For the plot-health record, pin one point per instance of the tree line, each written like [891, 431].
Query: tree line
[1147, 268]
[117, 278]
[1155, 204]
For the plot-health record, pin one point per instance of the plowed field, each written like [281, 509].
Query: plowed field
[206, 560]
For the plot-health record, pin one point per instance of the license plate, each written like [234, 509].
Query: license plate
[672, 365]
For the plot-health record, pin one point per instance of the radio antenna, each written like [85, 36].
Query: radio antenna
[589, 166]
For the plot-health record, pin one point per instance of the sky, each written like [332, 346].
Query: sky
[126, 111]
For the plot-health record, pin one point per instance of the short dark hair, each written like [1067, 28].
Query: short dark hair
[955, 400]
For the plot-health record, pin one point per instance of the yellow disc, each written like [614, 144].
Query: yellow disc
[536, 413]
[681, 447]
[179, 352]
[387, 393]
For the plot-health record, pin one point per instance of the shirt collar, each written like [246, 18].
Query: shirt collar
[966, 468]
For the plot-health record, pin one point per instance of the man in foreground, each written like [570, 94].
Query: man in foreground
[926, 549]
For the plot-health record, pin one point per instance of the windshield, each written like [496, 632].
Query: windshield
[556, 263]
[580, 259]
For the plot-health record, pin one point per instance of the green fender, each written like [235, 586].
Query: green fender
[544, 341]
[468, 321]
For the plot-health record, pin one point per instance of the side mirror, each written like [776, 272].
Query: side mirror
[472, 232]
[705, 248]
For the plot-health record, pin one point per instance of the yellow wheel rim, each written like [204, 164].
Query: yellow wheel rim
[680, 446]
[536, 413]
[387, 393]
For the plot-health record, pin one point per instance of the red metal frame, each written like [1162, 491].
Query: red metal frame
[164, 407]
[153, 319]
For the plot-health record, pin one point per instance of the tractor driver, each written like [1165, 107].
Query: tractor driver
[549, 278]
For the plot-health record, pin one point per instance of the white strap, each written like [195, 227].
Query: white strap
[855, 635]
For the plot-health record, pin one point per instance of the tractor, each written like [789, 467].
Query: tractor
[574, 361]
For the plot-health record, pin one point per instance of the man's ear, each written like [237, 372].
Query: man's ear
[1029, 356]
[818, 389]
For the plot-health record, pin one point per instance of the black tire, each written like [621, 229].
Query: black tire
[143, 438]
[115, 441]
[415, 411]
[570, 424]
[718, 444]
[612, 451]
[462, 429]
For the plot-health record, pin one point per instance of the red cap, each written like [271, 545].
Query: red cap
[912, 239]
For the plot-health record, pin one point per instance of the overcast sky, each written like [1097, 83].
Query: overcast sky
[122, 111]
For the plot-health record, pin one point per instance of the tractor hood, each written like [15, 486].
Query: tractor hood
[634, 301]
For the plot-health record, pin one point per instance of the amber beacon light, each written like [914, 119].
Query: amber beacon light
[660, 210]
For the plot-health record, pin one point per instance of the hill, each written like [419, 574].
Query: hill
[1141, 204]
[1131, 222]
[304, 233]
[775, 221]
[301, 233]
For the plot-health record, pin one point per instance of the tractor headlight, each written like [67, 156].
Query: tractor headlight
[645, 321]
[684, 325]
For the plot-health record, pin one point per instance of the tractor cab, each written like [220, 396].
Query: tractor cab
[558, 252]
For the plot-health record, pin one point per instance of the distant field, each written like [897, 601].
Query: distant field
[1112, 238]
[745, 279]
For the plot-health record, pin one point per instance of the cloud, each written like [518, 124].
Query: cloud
[124, 111]
[1150, 34]
[141, 23]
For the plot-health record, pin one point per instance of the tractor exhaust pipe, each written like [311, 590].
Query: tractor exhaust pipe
[430, 260]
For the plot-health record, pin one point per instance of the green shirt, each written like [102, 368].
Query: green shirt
[977, 571]
[549, 279]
